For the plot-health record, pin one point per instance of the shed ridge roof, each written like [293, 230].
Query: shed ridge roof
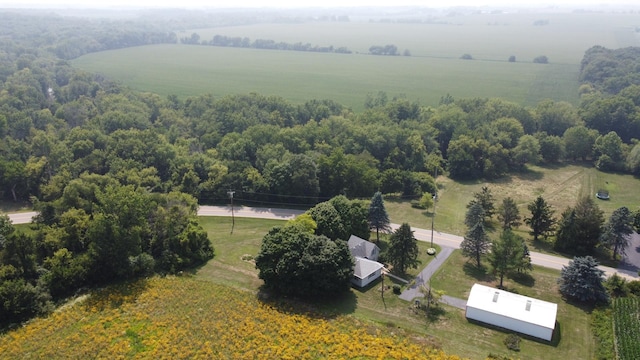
[515, 306]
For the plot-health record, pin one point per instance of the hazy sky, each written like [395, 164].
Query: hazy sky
[303, 3]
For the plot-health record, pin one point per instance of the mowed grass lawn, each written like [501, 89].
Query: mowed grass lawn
[450, 330]
[185, 70]
[245, 242]
[559, 186]
[572, 340]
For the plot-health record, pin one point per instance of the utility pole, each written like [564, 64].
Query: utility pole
[233, 219]
[382, 277]
[432, 250]
[433, 216]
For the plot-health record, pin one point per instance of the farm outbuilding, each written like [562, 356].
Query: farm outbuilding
[515, 312]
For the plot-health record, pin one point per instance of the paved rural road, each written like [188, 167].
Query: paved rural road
[448, 240]
[22, 218]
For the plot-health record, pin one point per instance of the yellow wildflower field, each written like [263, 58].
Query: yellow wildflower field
[183, 318]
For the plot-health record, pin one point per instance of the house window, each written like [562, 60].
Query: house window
[372, 275]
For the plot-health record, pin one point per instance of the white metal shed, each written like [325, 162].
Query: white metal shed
[512, 311]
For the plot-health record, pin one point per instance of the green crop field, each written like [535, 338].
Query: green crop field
[433, 69]
[300, 76]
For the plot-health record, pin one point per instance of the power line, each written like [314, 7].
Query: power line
[233, 218]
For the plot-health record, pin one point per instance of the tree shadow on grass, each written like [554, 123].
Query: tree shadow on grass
[428, 214]
[587, 307]
[542, 245]
[521, 174]
[324, 308]
[435, 313]
[478, 273]
[555, 337]
[524, 279]
[194, 269]
[114, 295]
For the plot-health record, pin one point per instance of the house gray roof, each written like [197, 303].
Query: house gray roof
[365, 267]
[363, 248]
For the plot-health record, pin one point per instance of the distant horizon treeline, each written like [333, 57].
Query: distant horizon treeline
[245, 42]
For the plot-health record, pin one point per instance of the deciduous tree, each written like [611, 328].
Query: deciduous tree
[555, 118]
[636, 220]
[354, 216]
[12, 176]
[542, 59]
[609, 151]
[329, 222]
[551, 147]
[578, 142]
[633, 160]
[527, 151]
[465, 157]
[6, 228]
[294, 262]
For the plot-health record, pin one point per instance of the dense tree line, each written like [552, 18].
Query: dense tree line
[34, 34]
[388, 147]
[611, 96]
[388, 49]
[94, 232]
[610, 70]
[245, 42]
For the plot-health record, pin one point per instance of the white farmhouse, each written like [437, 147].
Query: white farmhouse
[359, 247]
[515, 312]
[365, 254]
[365, 271]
